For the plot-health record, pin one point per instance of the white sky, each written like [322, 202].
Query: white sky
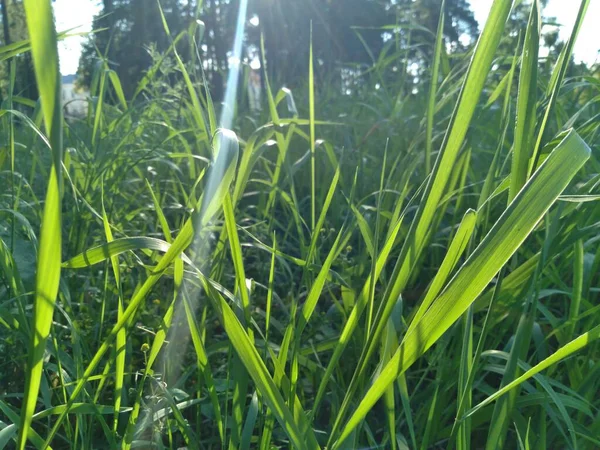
[565, 11]
[73, 13]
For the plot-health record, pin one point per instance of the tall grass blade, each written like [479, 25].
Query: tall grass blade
[40, 23]
[526, 104]
[435, 73]
[311, 112]
[121, 335]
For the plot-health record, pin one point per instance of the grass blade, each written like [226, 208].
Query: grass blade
[435, 73]
[42, 33]
[526, 104]
[565, 351]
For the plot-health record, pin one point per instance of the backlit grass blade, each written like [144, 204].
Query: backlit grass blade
[114, 248]
[264, 382]
[455, 251]
[116, 84]
[40, 23]
[505, 237]
[565, 351]
[322, 216]
[221, 174]
[252, 151]
[240, 377]
[526, 103]
[268, 306]
[317, 288]
[365, 231]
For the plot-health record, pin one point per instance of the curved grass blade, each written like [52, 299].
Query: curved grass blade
[114, 248]
[264, 382]
[565, 351]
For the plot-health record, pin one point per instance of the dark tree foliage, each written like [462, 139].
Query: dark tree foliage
[336, 26]
[132, 26]
[349, 32]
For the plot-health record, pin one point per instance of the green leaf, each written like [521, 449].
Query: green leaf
[220, 176]
[558, 75]
[264, 382]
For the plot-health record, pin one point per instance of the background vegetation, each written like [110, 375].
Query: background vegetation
[399, 251]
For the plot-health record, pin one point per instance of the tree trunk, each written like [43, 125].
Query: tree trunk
[5, 25]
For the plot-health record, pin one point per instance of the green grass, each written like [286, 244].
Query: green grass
[394, 269]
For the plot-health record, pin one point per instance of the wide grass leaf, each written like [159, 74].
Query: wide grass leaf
[40, 23]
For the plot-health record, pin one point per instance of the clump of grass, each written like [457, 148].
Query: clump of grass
[448, 270]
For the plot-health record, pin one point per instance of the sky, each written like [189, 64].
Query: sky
[79, 13]
[565, 11]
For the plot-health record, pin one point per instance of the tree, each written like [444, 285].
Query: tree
[354, 31]
[14, 29]
[132, 26]
[351, 32]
